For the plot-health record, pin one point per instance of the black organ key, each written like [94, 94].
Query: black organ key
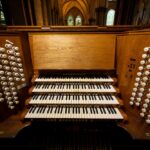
[109, 110]
[101, 110]
[51, 109]
[61, 109]
[48, 109]
[30, 110]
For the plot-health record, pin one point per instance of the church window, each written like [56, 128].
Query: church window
[110, 17]
[70, 20]
[78, 21]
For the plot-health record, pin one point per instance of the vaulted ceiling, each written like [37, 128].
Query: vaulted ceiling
[86, 7]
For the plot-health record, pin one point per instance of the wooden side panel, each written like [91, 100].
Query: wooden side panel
[72, 51]
[129, 53]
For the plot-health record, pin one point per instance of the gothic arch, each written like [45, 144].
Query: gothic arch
[79, 4]
[74, 11]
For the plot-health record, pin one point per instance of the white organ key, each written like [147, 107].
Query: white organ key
[45, 113]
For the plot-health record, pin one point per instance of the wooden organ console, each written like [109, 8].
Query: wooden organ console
[75, 74]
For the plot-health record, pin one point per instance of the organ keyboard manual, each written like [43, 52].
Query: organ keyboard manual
[72, 97]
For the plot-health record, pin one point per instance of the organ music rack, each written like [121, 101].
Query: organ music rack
[112, 52]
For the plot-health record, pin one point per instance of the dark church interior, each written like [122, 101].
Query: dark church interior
[75, 74]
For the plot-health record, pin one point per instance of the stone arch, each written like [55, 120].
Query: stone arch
[82, 6]
[74, 11]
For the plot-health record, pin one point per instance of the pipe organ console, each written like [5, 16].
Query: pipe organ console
[67, 75]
